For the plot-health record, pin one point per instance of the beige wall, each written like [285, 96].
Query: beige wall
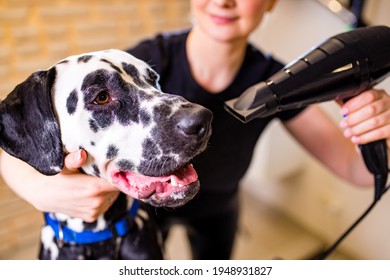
[34, 34]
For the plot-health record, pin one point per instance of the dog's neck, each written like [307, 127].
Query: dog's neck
[104, 221]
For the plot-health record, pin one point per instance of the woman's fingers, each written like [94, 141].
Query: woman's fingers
[366, 117]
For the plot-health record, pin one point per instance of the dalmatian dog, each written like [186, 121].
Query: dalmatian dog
[138, 138]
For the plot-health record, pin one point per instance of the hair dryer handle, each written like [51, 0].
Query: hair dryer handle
[375, 158]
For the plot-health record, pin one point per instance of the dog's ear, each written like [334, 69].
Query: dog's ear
[28, 127]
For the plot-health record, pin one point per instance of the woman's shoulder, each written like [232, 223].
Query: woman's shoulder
[258, 56]
[165, 39]
[160, 47]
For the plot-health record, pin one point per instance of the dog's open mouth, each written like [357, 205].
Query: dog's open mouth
[169, 191]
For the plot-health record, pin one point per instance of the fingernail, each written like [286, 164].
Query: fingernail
[347, 133]
[344, 112]
[355, 139]
[78, 155]
[343, 124]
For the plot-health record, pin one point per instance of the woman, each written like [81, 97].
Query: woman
[209, 64]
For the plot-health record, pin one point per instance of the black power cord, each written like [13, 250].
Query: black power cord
[323, 255]
[375, 158]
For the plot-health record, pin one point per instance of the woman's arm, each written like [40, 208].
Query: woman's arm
[69, 192]
[367, 119]
[317, 133]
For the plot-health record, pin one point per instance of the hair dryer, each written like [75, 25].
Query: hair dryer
[339, 68]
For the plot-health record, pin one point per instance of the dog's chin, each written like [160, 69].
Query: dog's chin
[172, 190]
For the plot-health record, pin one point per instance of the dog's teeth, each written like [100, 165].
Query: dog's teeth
[181, 185]
[173, 181]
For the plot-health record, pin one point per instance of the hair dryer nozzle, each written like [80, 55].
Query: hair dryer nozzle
[258, 101]
[242, 115]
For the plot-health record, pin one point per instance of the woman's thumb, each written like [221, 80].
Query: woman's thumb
[75, 160]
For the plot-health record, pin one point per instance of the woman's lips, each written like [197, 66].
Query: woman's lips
[223, 19]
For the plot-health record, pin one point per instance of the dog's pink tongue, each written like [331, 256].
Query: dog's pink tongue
[140, 186]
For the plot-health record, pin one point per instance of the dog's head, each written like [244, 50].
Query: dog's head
[110, 104]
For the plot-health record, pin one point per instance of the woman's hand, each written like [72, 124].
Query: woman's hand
[69, 192]
[81, 195]
[366, 117]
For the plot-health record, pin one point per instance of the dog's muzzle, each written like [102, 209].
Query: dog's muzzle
[169, 180]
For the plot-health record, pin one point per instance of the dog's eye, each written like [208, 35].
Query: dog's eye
[102, 98]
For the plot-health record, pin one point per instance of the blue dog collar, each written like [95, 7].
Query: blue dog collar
[66, 234]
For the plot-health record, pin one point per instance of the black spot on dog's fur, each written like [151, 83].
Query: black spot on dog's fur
[132, 71]
[145, 96]
[130, 100]
[162, 110]
[152, 78]
[164, 166]
[144, 117]
[84, 58]
[104, 118]
[92, 143]
[71, 102]
[150, 153]
[125, 165]
[96, 170]
[112, 152]
[93, 125]
[113, 66]
[63, 61]
[149, 149]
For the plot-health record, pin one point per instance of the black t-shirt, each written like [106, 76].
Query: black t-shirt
[231, 145]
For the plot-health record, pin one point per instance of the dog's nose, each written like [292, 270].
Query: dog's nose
[194, 122]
